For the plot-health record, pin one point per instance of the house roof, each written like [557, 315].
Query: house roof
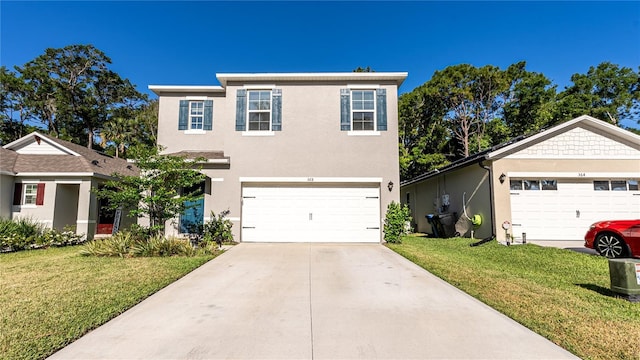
[7, 160]
[69, 158]
[210, 156]
[521, 142]
[397, 77]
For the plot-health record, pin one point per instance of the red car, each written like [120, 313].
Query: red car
[615, 238]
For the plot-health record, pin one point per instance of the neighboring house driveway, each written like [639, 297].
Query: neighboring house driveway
[311, 301]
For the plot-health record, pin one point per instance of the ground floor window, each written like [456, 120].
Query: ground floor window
[30, 194]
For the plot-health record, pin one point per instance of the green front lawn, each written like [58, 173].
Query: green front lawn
[48, 298]
[560, 294]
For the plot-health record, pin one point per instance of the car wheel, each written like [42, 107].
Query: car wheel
[611, 246]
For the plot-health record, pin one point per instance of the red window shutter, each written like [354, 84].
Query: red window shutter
[40, 194]
[17, 194]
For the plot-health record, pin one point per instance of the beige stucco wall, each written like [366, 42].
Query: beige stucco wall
[426, 198]
[41, 213]
[6, 194]
[310, 144]
[60, 208]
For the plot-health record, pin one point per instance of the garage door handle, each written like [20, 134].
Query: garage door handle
[371, 197]
[248, 227]
[248, 197]
[373, 228]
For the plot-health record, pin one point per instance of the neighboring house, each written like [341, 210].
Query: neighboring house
[51, 181]
[550, 186]
[294, 157]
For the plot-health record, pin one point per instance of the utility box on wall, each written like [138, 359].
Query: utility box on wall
[625, 277]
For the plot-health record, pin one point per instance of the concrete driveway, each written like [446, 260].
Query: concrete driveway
[311, 301]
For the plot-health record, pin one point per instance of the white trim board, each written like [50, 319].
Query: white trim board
[312, 179]
[576, 175]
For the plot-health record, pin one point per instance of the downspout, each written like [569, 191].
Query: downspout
[493, 215]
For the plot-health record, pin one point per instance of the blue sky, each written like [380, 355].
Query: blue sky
[187, 43]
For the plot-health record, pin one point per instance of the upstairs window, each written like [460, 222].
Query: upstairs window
[363, 110]
[259, 110]
[195, 115]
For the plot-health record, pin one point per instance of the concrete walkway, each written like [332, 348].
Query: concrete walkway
[311, 301]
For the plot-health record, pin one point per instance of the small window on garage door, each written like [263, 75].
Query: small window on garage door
[618, 185]
[599, 185]
[549, 185]
[633, 185]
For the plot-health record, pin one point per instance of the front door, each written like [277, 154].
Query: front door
[192, 218]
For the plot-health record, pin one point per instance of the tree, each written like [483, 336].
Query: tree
[157, 193]
[529, 101]
[361, 69]
[608, 92]
[138, 128]
[13, 111]
[118, 131]
[471, 98]
[424, 137]
[73, 92]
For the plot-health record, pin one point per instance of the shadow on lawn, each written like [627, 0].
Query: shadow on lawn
[599, 289]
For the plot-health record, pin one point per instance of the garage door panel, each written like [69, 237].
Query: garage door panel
[310, 214]
[567, 213]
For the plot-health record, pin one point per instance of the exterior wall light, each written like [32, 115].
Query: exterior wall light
[502, 177]
[390, 185]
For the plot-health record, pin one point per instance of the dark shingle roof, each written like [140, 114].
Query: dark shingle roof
[7, 159]
[194, 154]
[89, 161]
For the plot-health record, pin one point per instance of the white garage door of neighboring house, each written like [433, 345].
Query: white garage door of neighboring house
[310, 214]
[567, 212]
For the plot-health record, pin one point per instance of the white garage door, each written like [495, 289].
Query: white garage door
[567, 213]
[310, 214]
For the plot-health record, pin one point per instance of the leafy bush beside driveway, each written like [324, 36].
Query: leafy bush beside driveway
[560, 294]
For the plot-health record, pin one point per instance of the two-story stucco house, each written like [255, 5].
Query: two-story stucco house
[294, 157]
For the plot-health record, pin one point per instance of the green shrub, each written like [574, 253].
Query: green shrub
[27, 233]
[395, 222]
[117, 245]
[133, 244]
[161, 246]
[218, 229]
